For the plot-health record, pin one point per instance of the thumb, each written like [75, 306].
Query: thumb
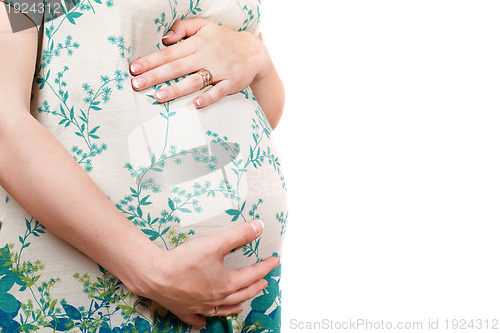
[240, 235]
[183, 28]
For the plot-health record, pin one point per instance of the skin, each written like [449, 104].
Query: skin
[35, 169]
[236, 60]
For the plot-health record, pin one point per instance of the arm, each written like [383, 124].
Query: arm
[269, 90]
[236, 59]
[36, 169]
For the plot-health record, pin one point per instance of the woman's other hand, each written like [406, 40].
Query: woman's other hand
[191, 280]
[235, 60]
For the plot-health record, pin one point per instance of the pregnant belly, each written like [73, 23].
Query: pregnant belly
[172, 163]
[177, 173]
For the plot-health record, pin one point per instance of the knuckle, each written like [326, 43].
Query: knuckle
[221, 294]
[217, 94]
[175, 24]
[198, 22]
[217, 293]
[210, 26]
[239, 82]
[206, 297]
[212, 296]
[176, 68]
[197, 80]
[153, 77]
[146, 63]
[229, 289]
[165, 53]
[174, 91]
[208, 99]
[198, 309]
[220, 245]
[210, 305]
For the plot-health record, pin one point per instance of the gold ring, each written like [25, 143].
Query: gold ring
[215, 312]
[206, 75]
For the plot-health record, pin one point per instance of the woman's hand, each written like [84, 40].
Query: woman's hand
[191, 280]
[235, 60]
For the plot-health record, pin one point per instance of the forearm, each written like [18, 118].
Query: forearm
[270, 93]
[49, 184]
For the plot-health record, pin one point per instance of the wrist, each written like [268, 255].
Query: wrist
[144, 260]
[269, 91]
[265, 64]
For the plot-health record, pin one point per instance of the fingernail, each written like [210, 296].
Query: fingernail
[199, 101]
[261, 223]
[278, 263]
[161, 94]
[168, 34]
[258, 226]
[138, 82]
[135, 68]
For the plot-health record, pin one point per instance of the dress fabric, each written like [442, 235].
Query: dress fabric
[176, 172]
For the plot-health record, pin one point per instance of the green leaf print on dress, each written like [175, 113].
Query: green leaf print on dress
[251, 17]
[192, 188]
[265, 313]
[256, 157]
[79, 104]
[75, 117]
[162, 22]
[119, 41]
[79, 118]
[106, 296]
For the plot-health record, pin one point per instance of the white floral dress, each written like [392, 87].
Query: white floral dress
[176, 172]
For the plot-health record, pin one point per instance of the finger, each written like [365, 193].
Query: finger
[238, 236]
[191, 319]
[160, 57]
[245, 294]
[247, 276]
[214, 94]
[184, 87]
[183, 28]
[224, 310]
[166, 72]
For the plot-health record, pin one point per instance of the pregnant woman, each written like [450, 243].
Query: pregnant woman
[134, 176]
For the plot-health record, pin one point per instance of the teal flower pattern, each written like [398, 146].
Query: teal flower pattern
[175, 172]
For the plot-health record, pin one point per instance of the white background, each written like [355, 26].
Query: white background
[390, 142]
